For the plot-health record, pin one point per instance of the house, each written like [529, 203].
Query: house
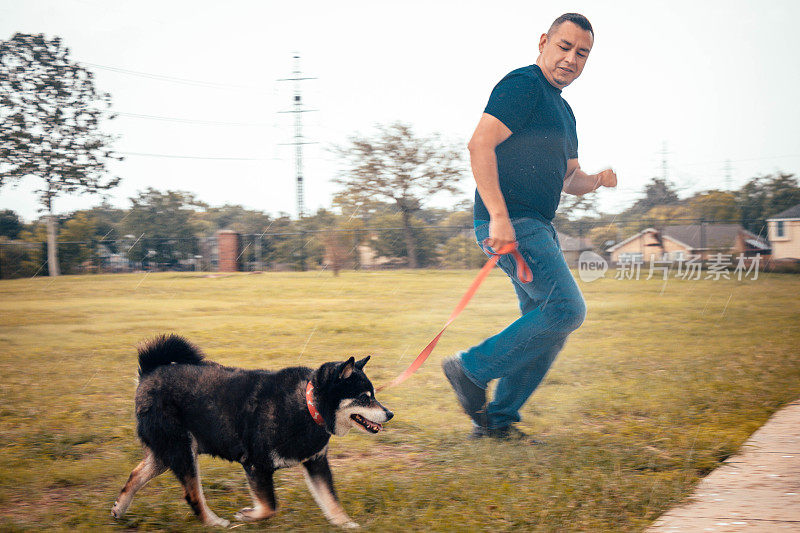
[572, 247]
[338, 256]
[784, 233]
[677, 243]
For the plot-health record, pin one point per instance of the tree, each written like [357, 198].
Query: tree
[666, 215]
[10, 224]
[604, 235]
[764, 196]
[572, 206]
[460, 251]
[163, 226]
[657, 192]
[576, 212]
[283, 245]
[77, 236]
[783, 192]
[389, 239]
[50, 114]
[359, 207]
[107, 223]
[458, 219]
[236, 218]
[714, 206]
[401, 168]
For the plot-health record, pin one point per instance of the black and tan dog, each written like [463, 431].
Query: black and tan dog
[187, 405]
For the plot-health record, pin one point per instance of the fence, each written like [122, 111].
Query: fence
[377, 248]
[367, 248]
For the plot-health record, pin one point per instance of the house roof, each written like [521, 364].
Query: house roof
[720, 236]
[629, 239]
[573, 244]
[792, 212]
[716, 235]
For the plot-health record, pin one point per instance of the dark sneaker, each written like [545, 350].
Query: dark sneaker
[471, 397]
[507, 433]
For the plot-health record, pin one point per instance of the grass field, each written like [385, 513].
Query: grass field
[660, 384]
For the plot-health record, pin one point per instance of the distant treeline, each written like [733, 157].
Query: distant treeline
[162, 225]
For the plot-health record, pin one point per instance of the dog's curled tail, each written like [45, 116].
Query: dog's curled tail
[166, 349]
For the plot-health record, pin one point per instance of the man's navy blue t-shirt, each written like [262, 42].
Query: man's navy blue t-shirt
[532, 162]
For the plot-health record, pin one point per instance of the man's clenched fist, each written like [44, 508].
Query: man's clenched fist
[607, 178]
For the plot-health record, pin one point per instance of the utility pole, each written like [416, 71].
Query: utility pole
[664, 161]
[299, 141]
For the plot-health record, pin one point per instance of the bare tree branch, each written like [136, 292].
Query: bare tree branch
[398, 167]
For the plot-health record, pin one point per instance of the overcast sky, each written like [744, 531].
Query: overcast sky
[712, 81]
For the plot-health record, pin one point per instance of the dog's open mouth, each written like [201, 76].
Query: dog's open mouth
[369, 425]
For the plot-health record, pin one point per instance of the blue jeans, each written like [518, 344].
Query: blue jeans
[552, 307]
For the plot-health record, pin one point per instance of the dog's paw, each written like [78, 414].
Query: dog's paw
[244, 515]
[249, 514]
[351, 525]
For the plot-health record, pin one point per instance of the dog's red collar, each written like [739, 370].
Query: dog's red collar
[312, 409]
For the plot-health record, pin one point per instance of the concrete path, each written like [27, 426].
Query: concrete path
[756, 490]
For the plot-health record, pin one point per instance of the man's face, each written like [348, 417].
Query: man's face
[563, 53]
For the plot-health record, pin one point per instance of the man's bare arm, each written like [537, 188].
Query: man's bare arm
[489, 133]
[578, 182]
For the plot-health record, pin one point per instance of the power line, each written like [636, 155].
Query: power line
[191, 121]
[716, 162]
[170, 156]
[173, 79]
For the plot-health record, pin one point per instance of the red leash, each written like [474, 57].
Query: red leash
[523, 273]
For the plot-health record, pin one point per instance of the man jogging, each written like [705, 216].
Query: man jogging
[524, 153]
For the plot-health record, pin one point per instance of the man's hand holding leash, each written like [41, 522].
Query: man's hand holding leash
[501, 232]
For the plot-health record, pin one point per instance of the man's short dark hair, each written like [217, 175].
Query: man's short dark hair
[576, 18]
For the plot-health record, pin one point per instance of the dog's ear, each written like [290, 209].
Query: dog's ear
[345, 369]
[360, 364]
